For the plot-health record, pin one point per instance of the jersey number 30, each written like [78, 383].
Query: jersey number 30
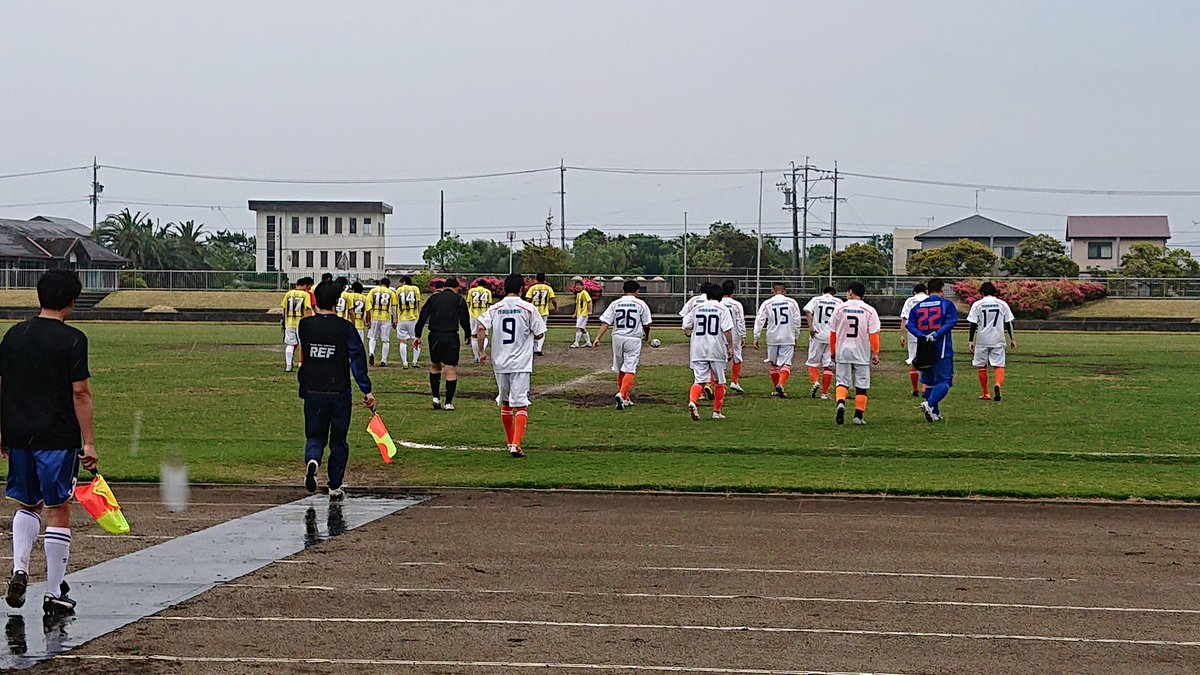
[708, 324]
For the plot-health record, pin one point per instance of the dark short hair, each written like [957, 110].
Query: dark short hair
[632, 286]
[385, 281]
[298, 282]
[57, 289]
[306, 281]
[343, 282]
[406, 280]
[327, 293]
[829, 289]
[451, 282]
[478, 282]
[714, 292]
[728, 287]
[513, 283]
[779, 284]
[439, 283]
[857, 288]
[936, 285]
[357, 287]
[328, 276]
[541, 276]
[918, 288]
[987, 288]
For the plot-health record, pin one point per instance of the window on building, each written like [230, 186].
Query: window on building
[308, 259]
[913, 251]
[367, 259]
[1005, 252]
[324, 259]
[381, 228]
[337, 225]
[1100, 250]
[295, 225]
[354, 226]
[295, 259]
[366, 226]
[324, 224]
[308, 225]
[270, 243]
[353, 259]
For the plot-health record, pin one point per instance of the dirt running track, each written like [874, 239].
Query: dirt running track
[507, 582]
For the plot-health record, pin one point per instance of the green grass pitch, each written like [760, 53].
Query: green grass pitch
[1084, 415]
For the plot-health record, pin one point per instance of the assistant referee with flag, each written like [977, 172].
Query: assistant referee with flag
[446, 312]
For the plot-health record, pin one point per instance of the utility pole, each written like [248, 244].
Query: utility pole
[685, 238]
[511, 236]
[562, 204]
[796, 264]
[442, 225]
[804, 246]
[97, 188]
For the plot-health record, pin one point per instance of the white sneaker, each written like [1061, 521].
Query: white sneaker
[628, 403]
[737, 387]
[620, 401]
[859, 421]
[437, 403]
[824, 397]
[448, 406]
[927, 409]
[337, 494]
[575, 346]
[718, 416]
[812, 392]
[693, 411]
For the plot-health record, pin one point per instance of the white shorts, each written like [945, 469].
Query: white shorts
[627, 352]
[514, 389]
[475, 324]
[406, 330]
[737, 349]
[912, 349]
[818, 354]
[581, 322]
[291, 336]
[988, 356]
[781, 355]
[380, 330]
[854, 375]
[706, 371]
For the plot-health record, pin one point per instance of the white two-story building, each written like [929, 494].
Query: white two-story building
[307, 238]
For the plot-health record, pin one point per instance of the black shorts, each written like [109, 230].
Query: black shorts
[443, 348]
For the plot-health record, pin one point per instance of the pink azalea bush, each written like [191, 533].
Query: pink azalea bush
[593, 288]
[1035, 299]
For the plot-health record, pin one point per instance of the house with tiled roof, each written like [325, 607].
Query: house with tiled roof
[1099, 242]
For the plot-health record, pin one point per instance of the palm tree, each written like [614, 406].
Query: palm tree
[129, 234]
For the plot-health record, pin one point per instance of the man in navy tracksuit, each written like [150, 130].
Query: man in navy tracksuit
[932, 321]
[332, 351]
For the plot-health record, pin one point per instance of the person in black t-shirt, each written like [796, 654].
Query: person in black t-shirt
[45, 433]
[332, 352]
[446, 312]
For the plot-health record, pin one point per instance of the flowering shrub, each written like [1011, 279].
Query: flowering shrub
[1034, 299]
[593, 288]
[493, 284]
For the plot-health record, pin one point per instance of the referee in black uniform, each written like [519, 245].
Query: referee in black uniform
[445, 311]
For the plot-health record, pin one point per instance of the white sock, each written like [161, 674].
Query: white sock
[486, 342]
[416, 355]
[26, 526]
[577, 335]
[404, 353]
[475, 349]
[387, 347]
[58, 550]
[537, 344]
[587, 337]
[371, 346]
[288, 353]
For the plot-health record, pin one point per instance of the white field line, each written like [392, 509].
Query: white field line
[729, 596]
[572, 384]
[854, 573]
[266, 660]
[677, 627]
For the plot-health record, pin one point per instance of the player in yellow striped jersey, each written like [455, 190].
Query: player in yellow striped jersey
[583, 309]
[381, 318]
[479, 298]
[408, 308]
[541, 295]
[353, 308]
[297, 304]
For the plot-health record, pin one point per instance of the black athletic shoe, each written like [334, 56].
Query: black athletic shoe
[996, 393]
[708, 393]
[310, 476]
[779, 392]
[916, 394]
[620, 402]
[16, 589]
[841, 412]
[437, 403]
[60, 605]
[371, 360]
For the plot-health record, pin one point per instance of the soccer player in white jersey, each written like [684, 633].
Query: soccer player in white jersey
[515, 326]
[738, 313]
[990, 318]
[710, 327]
[701, 296]
[818, 312]
[629, 318]
[906, 340]
[780, 317]
[854, 339]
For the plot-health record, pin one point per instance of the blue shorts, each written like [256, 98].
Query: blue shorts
[941, 372]
[41, 476]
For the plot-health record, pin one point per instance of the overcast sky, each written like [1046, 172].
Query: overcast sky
[1083, 94]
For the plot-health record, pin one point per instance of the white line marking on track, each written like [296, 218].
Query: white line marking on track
[729, 596]
[854, 573]
[680, 627]
[571, 384]
[451, 664]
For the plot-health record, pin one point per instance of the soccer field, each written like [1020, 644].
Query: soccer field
[1084, 415]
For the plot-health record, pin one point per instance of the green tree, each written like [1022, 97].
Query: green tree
[652, 255]
[885, 244]
[185, 244]
[725, 247]
[540, 258]
[128, 234]
[817, 253]
[493, 257]
[1152, 261]
[451, 254]
[232, 251]
[856, 260]
[1041, 256]
[963, 258]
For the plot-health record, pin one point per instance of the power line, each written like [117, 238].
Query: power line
[43, 173]
[670, 172]
[327, 181]
[61, 201]
[1026, 188]
[958, 206]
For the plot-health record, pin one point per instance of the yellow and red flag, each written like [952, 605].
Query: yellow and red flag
[382, 438]
[97, 499]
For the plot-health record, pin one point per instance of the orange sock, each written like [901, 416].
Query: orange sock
[718, 397]
[915, 376]
[999, 377]
[506, 418]
[826, 381]
[842, 393]
[774, 377]
[784, 373]
[694, 395]
[520, 419]
[626, 385]
[860, 403]
[737, 373]
[983, 380]
[814, 374]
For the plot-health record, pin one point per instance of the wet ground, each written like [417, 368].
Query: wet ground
[509, 582]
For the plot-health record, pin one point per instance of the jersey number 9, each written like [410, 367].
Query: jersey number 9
[508, 326]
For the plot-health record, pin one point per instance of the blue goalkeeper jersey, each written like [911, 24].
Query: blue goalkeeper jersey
[935, 316]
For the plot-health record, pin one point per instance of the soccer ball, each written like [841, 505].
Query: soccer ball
[656, 343]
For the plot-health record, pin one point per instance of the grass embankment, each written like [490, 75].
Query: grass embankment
[210, 300]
